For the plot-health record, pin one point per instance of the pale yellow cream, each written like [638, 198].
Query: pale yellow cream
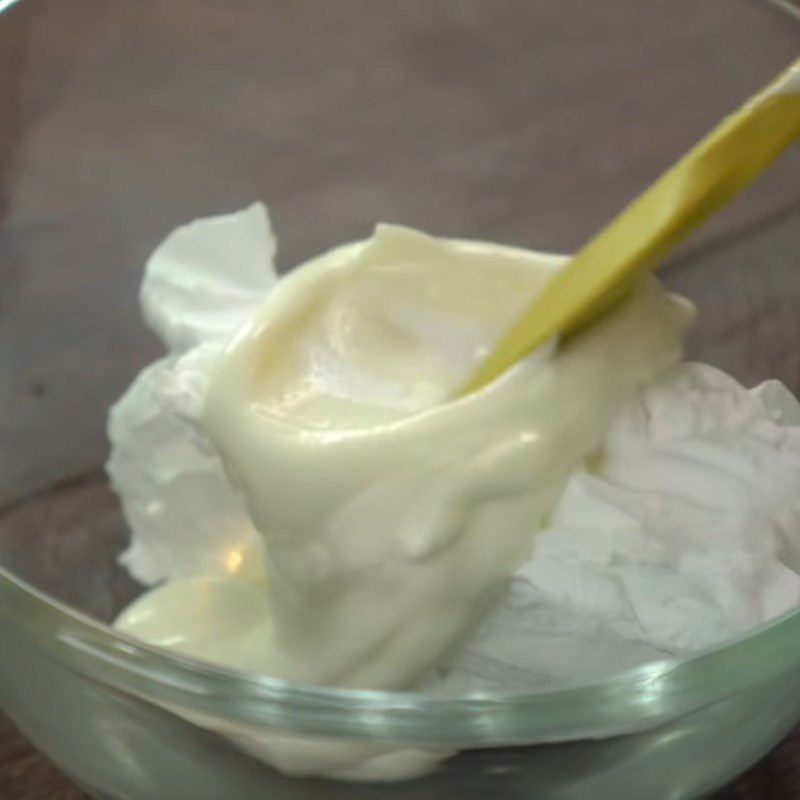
[392, 515]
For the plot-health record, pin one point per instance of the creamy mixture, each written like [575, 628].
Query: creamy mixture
[322, 510]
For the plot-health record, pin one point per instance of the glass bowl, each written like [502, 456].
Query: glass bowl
[114, 715]
[125, 120]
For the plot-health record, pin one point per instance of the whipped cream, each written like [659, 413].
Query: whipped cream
[633, 521]
[682, 532]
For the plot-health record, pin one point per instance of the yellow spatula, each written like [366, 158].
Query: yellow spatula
[724, 162]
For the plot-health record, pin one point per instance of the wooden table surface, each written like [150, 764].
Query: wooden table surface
[524, 121]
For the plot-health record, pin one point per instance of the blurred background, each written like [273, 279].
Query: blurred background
[523, 121]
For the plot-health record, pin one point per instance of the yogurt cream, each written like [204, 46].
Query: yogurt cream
[392, 515]
[322, 510]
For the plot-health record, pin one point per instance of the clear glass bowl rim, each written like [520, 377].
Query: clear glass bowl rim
[638, 699]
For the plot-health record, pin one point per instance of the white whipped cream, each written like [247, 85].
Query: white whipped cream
[683, 534]
[680, 531]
